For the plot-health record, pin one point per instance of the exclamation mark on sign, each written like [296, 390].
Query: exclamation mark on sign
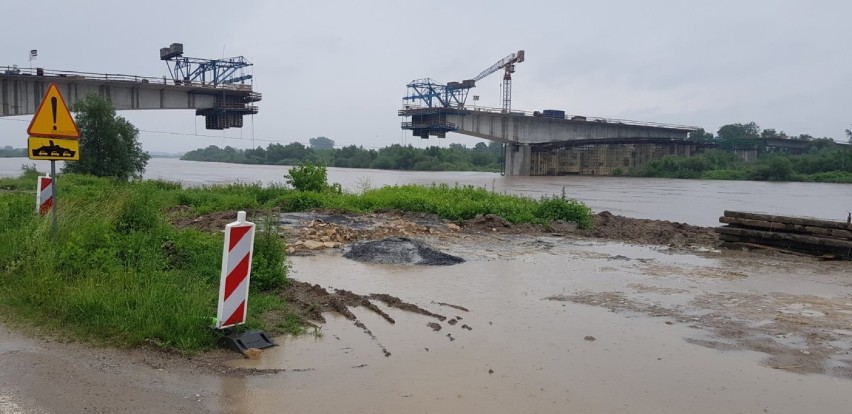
[53, 106]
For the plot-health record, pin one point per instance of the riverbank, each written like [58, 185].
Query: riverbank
[125, 251]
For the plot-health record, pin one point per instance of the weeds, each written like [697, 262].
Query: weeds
[119, 272]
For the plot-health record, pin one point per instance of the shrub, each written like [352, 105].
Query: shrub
[557, 208]
[268, 269]
[308, 177]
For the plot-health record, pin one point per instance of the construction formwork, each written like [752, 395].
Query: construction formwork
[603, 158]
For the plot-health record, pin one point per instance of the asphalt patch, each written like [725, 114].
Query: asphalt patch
[399, 250]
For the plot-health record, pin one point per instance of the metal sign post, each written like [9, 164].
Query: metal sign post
[55, 227]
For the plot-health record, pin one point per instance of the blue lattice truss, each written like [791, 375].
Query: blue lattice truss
[429, 93]
[428, 103]
[209, 71]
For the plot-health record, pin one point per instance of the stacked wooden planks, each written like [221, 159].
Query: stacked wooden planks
[802, 235]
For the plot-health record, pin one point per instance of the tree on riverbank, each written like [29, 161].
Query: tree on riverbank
[109, 144]
[819, 164]
[456, 157]
[9, 152]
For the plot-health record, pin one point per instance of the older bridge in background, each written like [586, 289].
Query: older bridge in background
[222, 105]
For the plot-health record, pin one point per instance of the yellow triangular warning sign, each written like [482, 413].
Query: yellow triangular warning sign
[52, 119]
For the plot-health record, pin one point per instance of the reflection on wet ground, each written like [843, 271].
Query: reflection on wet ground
[570, 325]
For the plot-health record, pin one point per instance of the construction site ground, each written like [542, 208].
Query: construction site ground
[411, 313]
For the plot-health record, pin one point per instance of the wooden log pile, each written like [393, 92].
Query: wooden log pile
[797, 235]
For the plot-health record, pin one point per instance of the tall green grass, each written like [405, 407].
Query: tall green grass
[451, 203]
[119, 272]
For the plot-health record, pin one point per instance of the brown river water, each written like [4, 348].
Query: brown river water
[698, 202]
[553, 324]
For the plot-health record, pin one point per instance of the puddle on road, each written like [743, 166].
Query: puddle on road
[523, 353]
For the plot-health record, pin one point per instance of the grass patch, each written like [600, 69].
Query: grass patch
[451, 203]
[118, 272]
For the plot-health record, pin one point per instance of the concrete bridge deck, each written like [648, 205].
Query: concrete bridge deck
[522, 130]
[223, 106]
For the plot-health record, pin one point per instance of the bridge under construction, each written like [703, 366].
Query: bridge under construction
[216, 89]
[547, 142]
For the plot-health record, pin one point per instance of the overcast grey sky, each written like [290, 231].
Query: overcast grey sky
[339, 68]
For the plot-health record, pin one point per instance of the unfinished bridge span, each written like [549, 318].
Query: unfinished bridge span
[552, 143]
[539, 143]
[220, 90]
[223, 106]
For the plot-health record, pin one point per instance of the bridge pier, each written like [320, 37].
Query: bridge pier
[518, 158]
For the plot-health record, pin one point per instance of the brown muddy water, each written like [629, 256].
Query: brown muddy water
[636, 335]
[697, 202]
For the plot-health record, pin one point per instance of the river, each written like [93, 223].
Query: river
[552, 324]
[698, 202]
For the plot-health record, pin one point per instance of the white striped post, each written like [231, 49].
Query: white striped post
[236, 272]
[44, 195]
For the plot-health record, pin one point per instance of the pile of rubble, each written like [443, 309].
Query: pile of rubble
[320, 235]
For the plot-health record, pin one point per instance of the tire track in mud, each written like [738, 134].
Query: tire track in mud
[308, 302]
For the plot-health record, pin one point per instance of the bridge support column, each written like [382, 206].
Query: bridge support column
[518, 159]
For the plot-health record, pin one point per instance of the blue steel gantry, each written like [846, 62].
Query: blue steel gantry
[427, 102]
[214, 72]
[224, 75]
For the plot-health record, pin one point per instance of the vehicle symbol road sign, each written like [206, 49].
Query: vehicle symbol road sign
[53, 149]
[53, 119]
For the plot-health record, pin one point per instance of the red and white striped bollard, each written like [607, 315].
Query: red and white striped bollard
[44, 195]
[236, 272]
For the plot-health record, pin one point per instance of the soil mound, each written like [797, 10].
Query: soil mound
[610, 226]
[399, 250]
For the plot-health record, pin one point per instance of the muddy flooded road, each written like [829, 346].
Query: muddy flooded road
[527, 323]
[557, 324]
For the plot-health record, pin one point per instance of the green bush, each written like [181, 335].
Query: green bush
[557, 208]
[725, 175]
[268, 268]
[308, 177]
[298, 201]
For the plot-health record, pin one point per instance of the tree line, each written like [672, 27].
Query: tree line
[455, 157]
[9, 152]
[823, 160]
[751, 132]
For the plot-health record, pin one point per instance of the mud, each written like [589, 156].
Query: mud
[799, 333]
[679, 235]
[565, 322]
[396, 302]
[309, 302]
[318, 230]
[461, 308]
[183, 217]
